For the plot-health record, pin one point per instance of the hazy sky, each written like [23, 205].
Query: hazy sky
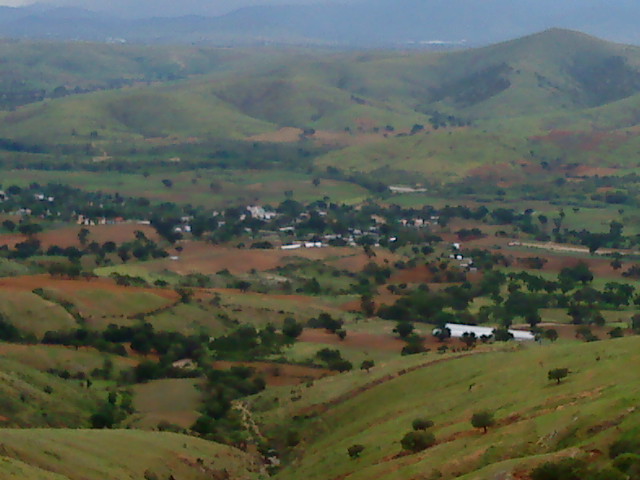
[210, 5]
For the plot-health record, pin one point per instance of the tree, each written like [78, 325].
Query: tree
[551, 334]
[30, 229]
[367, 365]
[185, 294]
[616, 263]
[565, 469]
[367, 305]
[354, 451]
[291, 328]
[167, 183]
[558, 374]
[469, 339]
[404, 329]
[502, 335]
[422, 424]
[83, 235]
[9, 225]
[483, 419]
[417, 441]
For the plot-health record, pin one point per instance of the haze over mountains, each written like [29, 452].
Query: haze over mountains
[372, 23]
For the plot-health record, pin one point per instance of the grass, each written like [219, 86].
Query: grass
[31, 313]
[98, 303]
[116, 454]
[443, 155]
[536, 418]
[172, 400]
[31, 398]
[236, 187]
[45, 357]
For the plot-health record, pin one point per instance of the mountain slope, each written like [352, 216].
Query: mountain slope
[536, 419]
[115, 455]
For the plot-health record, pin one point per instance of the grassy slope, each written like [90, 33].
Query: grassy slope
[33, 314]
[45, 357]
[108, 455]
[25, 403]
[535, 418]
[443, 155]
[171, 400]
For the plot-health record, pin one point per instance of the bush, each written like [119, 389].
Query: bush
[566, 469]
[422, 424]
[354, 451]
[417, 441]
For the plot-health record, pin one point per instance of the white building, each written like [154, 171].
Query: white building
[458, 330]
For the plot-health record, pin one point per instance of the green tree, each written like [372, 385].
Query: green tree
[551, 334]
[404, 329]
[367, 365]
[417, 441]
[83, 235]
[558, 374]
[483, 419]
[291, 328]
[421, 424]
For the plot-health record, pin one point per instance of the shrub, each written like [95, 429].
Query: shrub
[417, 441]
[422, 424]
[354, 451]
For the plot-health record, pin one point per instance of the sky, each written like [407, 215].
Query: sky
[199, 6]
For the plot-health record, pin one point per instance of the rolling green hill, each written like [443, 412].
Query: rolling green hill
[536, 419]
[115, 455]
[30, 398]
[366, 102]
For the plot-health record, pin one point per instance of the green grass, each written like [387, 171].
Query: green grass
[96, 303]
[237, 187]
[31, 398]
[33, 314]
[45, 357]
[189, 319]
[537, 418]
[116, 455]
[175, 401]
[443, 155]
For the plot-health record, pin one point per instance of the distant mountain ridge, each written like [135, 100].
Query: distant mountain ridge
[373, 23]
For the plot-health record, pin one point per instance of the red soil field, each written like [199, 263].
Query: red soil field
[205, 258]
[68, 236]
[30, 282]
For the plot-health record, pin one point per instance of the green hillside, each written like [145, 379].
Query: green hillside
[116, 455]
[364, 102]
[30, 398]
[536, 419]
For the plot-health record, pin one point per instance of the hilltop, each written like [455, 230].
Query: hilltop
[416, 112]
